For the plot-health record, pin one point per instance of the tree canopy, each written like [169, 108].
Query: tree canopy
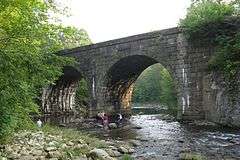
[216, 22]
[28, 41]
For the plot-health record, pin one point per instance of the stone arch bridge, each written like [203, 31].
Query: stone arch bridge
[111, 68]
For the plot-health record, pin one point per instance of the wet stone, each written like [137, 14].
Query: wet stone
[96, 154]
[112, 125]
[113, 153]
[134, 143]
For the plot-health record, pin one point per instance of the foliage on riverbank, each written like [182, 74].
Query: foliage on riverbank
[28, 41]
[82, 96]
[73, 134]
[218, 23]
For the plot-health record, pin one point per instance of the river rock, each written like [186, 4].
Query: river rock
[113, 148]
[63, 146]
[26, 157]
[141, 139]
[14, 155]
[52, 148]
[136, 127]
[70, 143]
[62, 125]
[53, 159]
[99, 125]
[189, 156]
[96, 154]
[167, 117]
[203, 123]
[24, 152]
[83, 157]
[134, 143]
[54, 154]
[37, 152]
[113, 153]
[82, 147]
[125, 150]
[112, 125]
[52, 143]
[110, 143]
[122, 149]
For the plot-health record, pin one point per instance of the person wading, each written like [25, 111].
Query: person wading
[105, 121]
[119, 119]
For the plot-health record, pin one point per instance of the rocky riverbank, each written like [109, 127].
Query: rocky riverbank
[58, 143]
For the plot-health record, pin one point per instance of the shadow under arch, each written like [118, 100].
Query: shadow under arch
[60, 97]
[120, 78]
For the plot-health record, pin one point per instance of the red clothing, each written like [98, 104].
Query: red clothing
[105, 120]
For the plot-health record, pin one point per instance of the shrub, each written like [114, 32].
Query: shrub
[216, 22]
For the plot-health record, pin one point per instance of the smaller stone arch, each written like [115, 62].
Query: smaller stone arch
[60, 97]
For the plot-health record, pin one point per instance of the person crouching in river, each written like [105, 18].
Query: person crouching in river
[119, 119]
[105, 121]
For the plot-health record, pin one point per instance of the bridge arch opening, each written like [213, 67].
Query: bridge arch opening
[154, 91]
[68, 95]
[121, 78]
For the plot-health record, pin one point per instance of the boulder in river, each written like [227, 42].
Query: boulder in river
[141, 139]
[126, 150]
[112, 125]
[97, 154]
[134, 142]
[113, 153]
[136, 127]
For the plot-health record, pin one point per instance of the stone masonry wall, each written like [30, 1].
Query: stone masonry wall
[218, 100]
[111, 67]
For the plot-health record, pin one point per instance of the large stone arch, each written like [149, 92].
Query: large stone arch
[121, 76]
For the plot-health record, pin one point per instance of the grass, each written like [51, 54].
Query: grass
[73, 134]
[127, 157]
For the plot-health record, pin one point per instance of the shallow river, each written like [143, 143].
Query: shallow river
[162, 138]
[167, 139]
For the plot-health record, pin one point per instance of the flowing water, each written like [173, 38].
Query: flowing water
[162, 137]
[167, 139]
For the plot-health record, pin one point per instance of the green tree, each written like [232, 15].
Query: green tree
[82, 95]
[168, 94]
[27, 63]
[155, 85]
[217, 22]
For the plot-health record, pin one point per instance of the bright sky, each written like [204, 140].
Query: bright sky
[111, 19]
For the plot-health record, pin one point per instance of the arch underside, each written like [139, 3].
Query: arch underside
[60, 98]
[121, 77]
